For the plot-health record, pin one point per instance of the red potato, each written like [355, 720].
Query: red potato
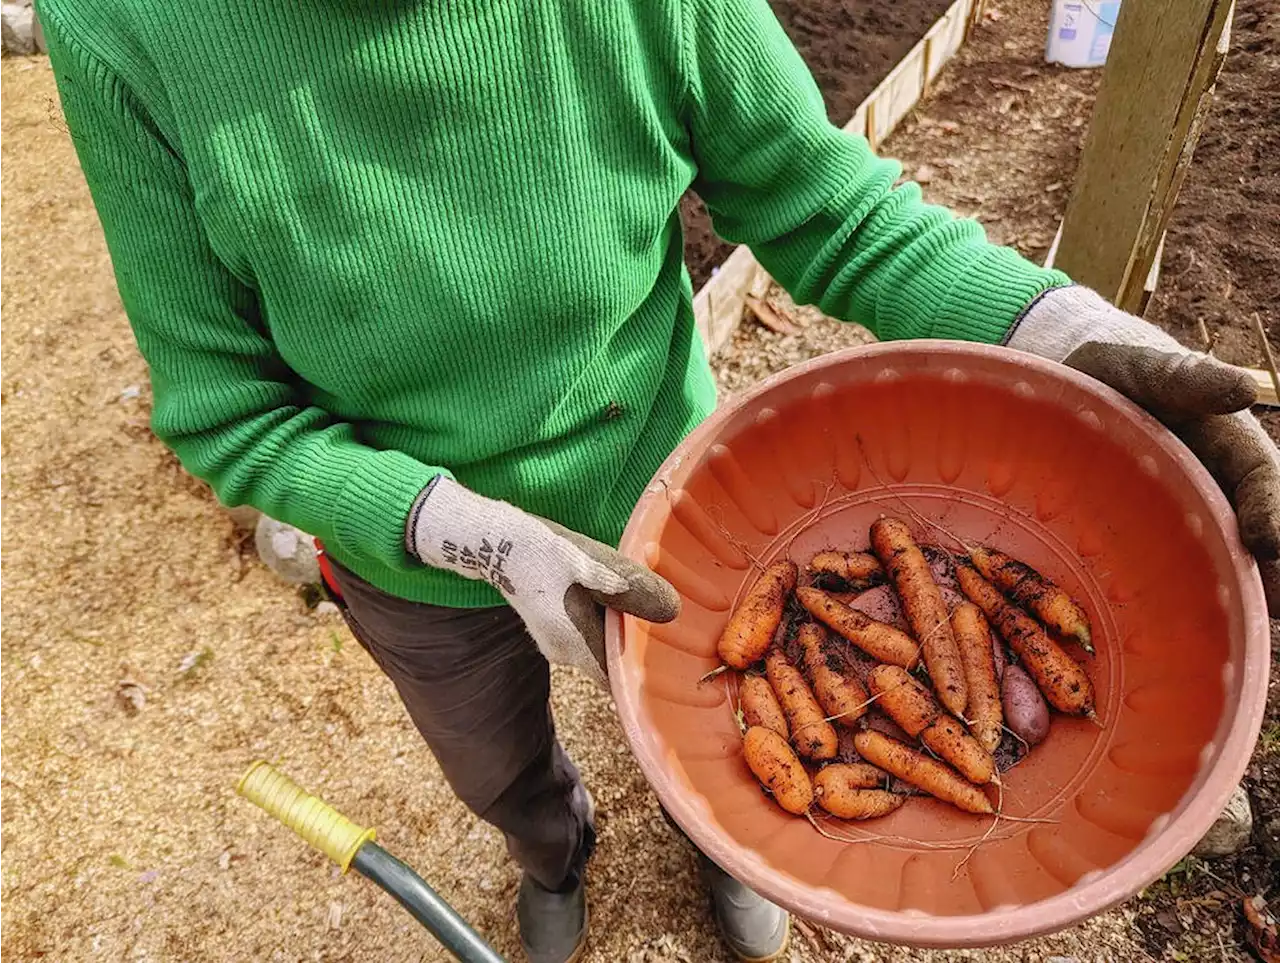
[772, 762]
[880, 603]
[1062, 682]
[811, 733]
[973, 636]
[760, 706]
[926, 612]
[750, 630]
[882, 642]
[841, 694]
[922, 772]
[1025, 710]
[1028, 588]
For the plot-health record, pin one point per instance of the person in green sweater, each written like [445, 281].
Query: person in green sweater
[408, 276]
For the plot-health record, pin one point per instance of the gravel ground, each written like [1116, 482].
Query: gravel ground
[148, 659]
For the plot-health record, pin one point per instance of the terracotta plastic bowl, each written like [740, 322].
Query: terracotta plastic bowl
[1011, 451]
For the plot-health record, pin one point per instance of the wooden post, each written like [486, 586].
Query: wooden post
[1155, 91]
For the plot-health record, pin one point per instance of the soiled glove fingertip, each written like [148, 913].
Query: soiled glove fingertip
[651, 597]
[1240, 393]
[1258, 508]
[1270, 572]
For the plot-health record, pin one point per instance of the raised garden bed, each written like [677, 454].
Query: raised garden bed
[850, 47]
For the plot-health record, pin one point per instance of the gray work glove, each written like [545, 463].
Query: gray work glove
[558, 581]
[1204, 401]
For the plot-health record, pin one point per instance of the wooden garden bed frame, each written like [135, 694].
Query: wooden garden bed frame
[720, 303]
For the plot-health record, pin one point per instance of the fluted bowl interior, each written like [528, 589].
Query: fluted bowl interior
[996, 447]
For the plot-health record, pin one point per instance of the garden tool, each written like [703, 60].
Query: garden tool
[352, 847]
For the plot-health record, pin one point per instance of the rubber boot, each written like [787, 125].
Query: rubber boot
[753, 928]
[553, 924]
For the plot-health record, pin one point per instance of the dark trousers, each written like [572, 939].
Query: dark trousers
[477, 688]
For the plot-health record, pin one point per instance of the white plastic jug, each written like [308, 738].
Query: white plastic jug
[1080, 32]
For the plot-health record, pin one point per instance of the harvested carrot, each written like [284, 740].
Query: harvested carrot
[760, 706]
[851, 775]
[926, 612]
[921, 771]
[1054, 607]
[880, 641]
[776, 766]
[913, 708]
[841, 694]
[750, 630]
[811, 733]
[906, 701]
[857, 569]
[843, 794]
[977, 652]
[948, 738]
[1063, 682]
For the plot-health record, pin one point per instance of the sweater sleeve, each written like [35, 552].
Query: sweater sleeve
[224, 401]
[818, 208]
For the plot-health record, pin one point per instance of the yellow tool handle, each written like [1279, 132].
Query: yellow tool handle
[322, 826]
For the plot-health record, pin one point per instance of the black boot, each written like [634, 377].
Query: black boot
[754, 929]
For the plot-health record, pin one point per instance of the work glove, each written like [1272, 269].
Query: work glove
[1202, 400]
[559, 582]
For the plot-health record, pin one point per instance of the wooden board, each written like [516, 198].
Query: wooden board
[718, 306]
[1267, 394]
[1155, 89]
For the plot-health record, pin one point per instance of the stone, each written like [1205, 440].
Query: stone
[1060, 959]
[287, 551]
[17, 28]
[1231, 830]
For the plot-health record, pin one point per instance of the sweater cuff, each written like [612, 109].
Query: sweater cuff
[990, 295]
[375, 503]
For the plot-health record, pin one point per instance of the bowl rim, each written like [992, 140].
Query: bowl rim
[1153, 856]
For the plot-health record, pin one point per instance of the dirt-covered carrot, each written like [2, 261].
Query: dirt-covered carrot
[922, 772]
[880, 641]
[776, 766]
[926, 612]
[905, 700]
[811, 733]
[1062, 681]
[760, 706]
[852, 775]
[855, 569]
[913, 707]
[949, 739]
[747, 636]
[1054, 607]
[977, 649]
[846, 794]
[841, 694]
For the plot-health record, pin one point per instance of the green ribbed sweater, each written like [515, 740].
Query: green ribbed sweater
[362, 243]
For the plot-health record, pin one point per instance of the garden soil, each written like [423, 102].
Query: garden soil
[849, 47]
